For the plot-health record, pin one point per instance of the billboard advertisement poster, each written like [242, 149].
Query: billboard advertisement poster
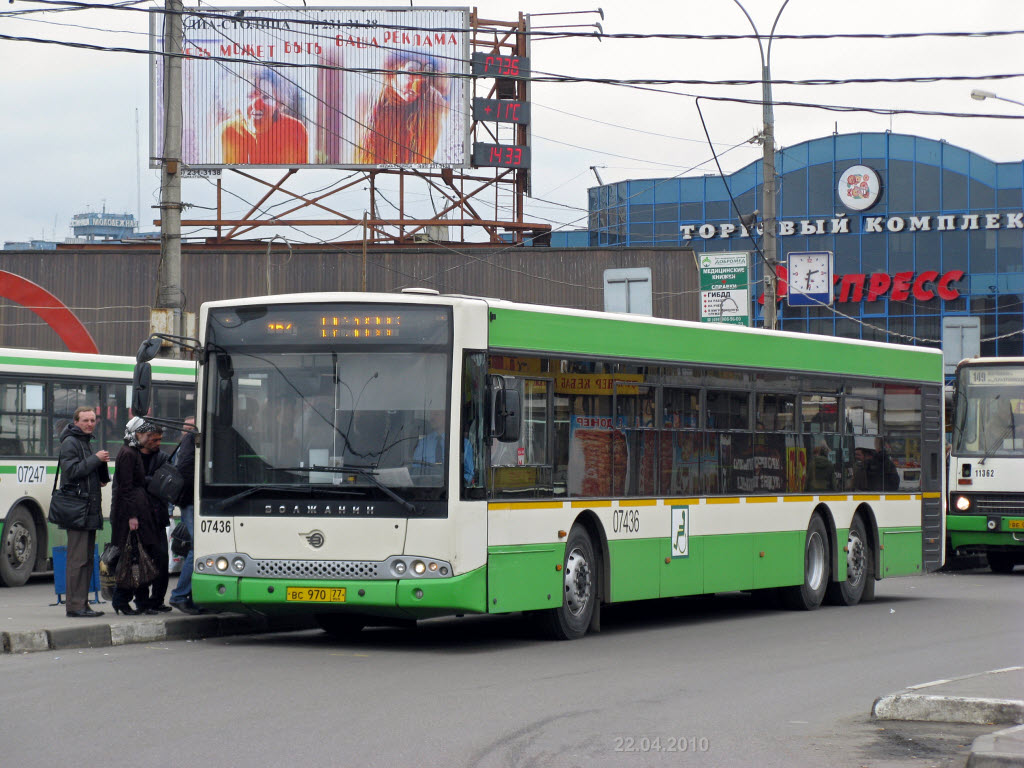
[329, 87]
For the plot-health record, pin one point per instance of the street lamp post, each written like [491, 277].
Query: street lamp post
[979, 95]
[770, 244]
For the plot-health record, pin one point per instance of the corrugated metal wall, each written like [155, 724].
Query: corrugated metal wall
[112, 289]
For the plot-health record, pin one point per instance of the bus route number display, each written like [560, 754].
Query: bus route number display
[501, 156]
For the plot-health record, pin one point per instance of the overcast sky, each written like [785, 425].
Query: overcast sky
[75, 126]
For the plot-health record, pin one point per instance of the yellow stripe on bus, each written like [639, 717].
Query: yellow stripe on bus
[797, 498]
[681, 502]
[733, 500]
[833, 498]
[534, 505]
[640, 502]
[592, 503]
[932, 495]
[867, 497]
[899, 496]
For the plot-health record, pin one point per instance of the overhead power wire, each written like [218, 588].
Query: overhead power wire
[251, 16]
[538, 78]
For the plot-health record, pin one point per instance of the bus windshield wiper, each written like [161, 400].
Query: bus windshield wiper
[994, 446]
[368, 473]
[310, 489]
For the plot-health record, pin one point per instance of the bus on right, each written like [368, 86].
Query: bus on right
[985, 512]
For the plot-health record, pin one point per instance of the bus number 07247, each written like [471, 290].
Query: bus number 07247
[625, 521]
[215, 526]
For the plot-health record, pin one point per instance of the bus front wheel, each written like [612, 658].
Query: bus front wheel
[808, 596]
[860, 569]
[18, 547]
[579, 588]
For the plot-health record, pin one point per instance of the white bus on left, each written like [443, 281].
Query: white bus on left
[39, 392]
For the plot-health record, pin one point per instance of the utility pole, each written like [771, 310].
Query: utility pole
[769, 241]
[167, 314]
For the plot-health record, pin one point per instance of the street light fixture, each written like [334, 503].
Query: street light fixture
[770, 244]
[980, 95]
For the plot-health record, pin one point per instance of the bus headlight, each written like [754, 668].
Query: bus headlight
[222, 563]
[238, 563]
[419, 567]
[398, 567]
[962, 503]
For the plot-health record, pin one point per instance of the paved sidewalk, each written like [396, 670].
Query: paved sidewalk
[30, 622]
[993, 697]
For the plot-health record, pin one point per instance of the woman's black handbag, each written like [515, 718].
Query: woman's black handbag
[69, 505]
[166, 483]
[135, 568]
[181, 541]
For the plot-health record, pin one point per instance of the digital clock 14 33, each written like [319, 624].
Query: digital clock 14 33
[501, 156]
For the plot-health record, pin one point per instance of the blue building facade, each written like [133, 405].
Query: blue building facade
[920, 229]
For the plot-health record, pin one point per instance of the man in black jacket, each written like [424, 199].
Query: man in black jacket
[78, 465]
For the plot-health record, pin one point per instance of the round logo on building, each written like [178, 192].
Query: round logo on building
[859, 187]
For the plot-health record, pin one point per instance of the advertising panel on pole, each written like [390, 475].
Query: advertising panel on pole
[319, 87]
[725, 288]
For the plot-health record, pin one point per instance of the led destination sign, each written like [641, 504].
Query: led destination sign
[356, 323]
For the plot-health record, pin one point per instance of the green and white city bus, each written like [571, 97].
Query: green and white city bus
[39, 392]
[985, 513]
[373, 458]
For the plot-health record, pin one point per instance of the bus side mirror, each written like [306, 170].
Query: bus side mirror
[149, 349]
[225, 391]
[506, 415]
[142, 385]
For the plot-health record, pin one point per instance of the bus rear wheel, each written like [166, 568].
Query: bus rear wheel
[571, 620]
[18, 548]
[340, 626]
[860, 569]
[808, 596]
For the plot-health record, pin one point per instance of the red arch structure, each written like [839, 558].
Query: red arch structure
[50, 309]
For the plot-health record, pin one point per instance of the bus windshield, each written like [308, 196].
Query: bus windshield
[989, 411]
[331, 414]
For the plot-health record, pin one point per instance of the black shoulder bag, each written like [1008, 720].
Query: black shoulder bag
[166, 483]
[69, 505]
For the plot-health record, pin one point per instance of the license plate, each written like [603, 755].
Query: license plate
[315, 594]
[1016, 525]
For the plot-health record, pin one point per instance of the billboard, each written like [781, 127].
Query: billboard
[319, 87]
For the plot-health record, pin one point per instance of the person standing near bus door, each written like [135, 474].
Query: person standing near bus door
[133, 508]
[185, 460]
[77, 465]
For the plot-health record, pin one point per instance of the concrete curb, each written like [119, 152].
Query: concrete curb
[146, 631]
[1002, 749]
[948, 709]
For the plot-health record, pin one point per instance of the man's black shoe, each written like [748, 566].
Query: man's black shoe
[85, 613]
[187, 606]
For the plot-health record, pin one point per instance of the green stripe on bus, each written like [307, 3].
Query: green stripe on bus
[92, 365]
[515, 329]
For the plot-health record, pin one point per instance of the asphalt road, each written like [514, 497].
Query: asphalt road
[702, 682]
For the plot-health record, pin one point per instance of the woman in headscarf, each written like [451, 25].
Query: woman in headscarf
[132, 508]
